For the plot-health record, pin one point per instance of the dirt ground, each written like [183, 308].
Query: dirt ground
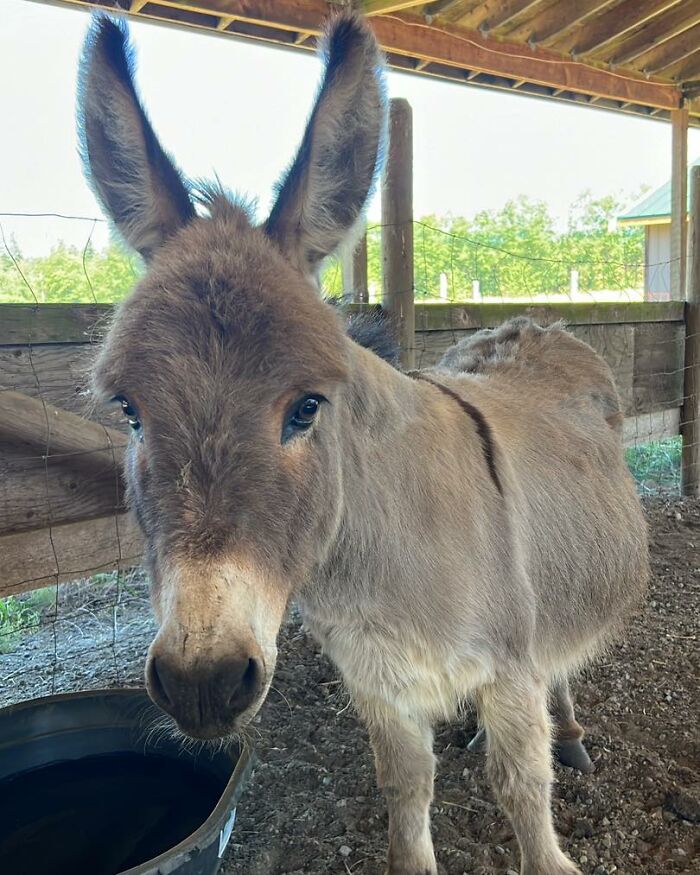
[312, 806]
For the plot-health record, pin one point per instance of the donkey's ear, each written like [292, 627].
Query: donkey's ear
[136, 182]
[323, 192]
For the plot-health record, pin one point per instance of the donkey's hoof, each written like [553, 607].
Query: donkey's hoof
[573, 754]
[478, 743]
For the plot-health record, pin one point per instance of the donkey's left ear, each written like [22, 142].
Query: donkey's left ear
[135, 180]
[325, 189]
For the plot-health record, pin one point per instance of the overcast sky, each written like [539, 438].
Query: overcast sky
[237, 109]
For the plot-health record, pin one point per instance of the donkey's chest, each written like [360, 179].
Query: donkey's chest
[399, 665]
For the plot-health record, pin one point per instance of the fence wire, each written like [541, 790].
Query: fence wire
[65, 520]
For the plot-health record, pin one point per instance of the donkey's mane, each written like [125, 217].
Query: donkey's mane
[374, 329]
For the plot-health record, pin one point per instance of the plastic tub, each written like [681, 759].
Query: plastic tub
[88, 787]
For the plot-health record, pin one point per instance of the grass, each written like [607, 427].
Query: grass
[656, 466]
[20, 613]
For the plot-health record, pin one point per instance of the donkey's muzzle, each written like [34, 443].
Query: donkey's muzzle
[204, 699]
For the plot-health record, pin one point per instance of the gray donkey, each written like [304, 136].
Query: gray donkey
[469, 532]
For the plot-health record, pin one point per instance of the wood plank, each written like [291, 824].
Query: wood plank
[33, 426]
[611, 25]
[690, 413]
[67, 552]
[59, 373]
[384, 7]
[616, 344]
[494, 14]
[53, 323]
[667, 55]
[658, 367]
[679, 201]
[35, 492]
[445, 317]
[657, 32]
[646, 428]
[556, 20]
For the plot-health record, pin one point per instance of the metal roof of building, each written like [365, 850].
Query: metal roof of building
[655, 208]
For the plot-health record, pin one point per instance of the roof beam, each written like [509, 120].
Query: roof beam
[671, 52]
[384, 7]
[473, 51]
[553, 22]
[493, 14]
[611, 25]
[658, 31]
[691, 72]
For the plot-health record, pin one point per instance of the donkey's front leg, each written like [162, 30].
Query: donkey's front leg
[403, 752]
[514, 711]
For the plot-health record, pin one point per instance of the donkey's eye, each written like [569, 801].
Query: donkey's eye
[130, 413]
[301, 415]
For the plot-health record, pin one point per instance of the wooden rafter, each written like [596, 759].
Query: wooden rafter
[555, 21]
[671, 52]
[690, 73]
[657, 32]
[384, 7]
[611, 25]
[494, 14]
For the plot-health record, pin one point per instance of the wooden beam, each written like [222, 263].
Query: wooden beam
[42, 428]
[384, 7]
[671, 52]
[225, 21]
[688, 75]
[679, 201]
[555, 21]
[472, 51]
[494, 14]
[45, 557]
[441, 7]
[657, 32]
[397, 228]
[611, 25]
[690, 412]
[137, 6]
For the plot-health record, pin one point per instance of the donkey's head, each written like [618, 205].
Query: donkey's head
[228, 367]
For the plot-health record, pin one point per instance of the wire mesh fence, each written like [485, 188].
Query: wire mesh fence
[62, 507]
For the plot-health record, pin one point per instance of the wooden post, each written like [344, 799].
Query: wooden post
[679, 201]
[397, 228]
[359, 271]
[690, 412]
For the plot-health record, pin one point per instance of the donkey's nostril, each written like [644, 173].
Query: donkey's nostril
[245, 690]
[157, 687]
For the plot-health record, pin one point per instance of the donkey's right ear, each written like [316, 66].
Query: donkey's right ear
[136, 182]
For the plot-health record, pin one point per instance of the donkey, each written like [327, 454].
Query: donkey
[465, 532]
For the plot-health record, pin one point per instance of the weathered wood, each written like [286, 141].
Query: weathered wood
[657, 32]
[690, 412]
[645, 428]
[33, 425]
[67, 552]
[658, 367]
[359, 272]
[53, 323]
[679, 202]
[384, 7]
[441, 317]
[36, 492]
[397, 227]
[59, 373]
[670, 53]
[646, 359]
[514, 61]
[611, 24]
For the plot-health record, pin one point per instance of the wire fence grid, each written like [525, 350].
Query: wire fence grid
[95, 633]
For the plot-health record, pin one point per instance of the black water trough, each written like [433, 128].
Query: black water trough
[86, 790]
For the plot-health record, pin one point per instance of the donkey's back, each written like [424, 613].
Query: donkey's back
[557, 423]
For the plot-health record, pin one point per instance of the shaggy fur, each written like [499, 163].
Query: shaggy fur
[471, 533]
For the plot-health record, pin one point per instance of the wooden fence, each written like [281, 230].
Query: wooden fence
[61, 496]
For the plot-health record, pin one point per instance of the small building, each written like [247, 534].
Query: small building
[654, 213]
